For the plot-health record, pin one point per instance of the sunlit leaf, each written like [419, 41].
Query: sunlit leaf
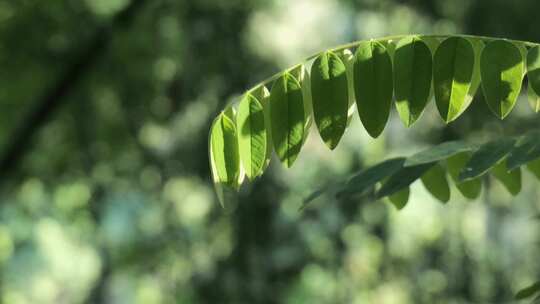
[224, 147]
[251, 135]
[287, 118]
[401, 198]
[471, 188]
[487, 156]
[224, 157]
[402, 179]
[478, 47]
[533, 68]
[510, 179]
[330, 97]
[373, 85]
[301, 74]
[453, 69]
[438, 152]
[369, 177]
[527, 148]
[501, 68]
[263, 96]
[348, 58]
[412, 78]
[528, 291]
[436, 183]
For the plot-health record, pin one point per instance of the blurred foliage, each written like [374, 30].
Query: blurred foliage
[112, 201]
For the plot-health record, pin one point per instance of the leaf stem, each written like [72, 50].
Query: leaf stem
[386, 38]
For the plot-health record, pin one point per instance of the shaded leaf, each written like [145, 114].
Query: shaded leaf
[332, 188]
[402, 179]
[528, 291]
[501, 68]
[471, 188]
[412, 78]
[330, 97]
[453, 69]
[373, 85]
[401, 198]
[533, 98]
[252, 138]
[527, 148]
[369, 177]
[510, 179]
[432, 42]
[487, 156]
[438, 152]
[436, 183]
[287, 118]
[534, 168]
[533, 68]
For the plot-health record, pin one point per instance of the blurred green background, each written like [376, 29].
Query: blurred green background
[106, 194]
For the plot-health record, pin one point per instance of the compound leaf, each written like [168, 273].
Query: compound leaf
[438, 152]
[487, 156]
[402, 179]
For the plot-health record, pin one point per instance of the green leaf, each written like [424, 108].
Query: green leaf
[478, 47]
[332, 188]
[534, 99]
[401, 198]
[438, 152]
[402, 179]
[510, 179]
[432, 42]
[470, 189]
[287, 118]
[534, 168]
[453, 69]
[301, 74]
[528, 292]
[373, 85]
[436, 183]
[251, 135]
[224, 147]
[533, 68]
[412, 78]
[369, 177]
[487, 156]
[501, 68]
[262, 94]
[527, 149]
[224, 157]
[330, 97]
[348, 58]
